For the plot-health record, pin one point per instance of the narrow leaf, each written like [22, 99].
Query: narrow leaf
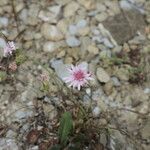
[66, 126]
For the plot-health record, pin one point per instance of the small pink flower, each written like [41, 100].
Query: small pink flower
[43, 77]
[12, 45]
[9, 48]
[13, 66]
[78, 76]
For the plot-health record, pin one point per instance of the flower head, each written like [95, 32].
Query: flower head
[9, 48]
[43, 77]
[13, 66]
[78, 77]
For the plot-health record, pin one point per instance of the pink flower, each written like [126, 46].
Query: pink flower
[10, 47]
[43, 77]
[13, 66]
[78, 76]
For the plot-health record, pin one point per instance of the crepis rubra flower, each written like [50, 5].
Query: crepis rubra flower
[13, 66]
[78, 76]
[9, 48]
[43, 77]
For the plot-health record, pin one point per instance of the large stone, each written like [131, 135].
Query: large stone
[124, 26]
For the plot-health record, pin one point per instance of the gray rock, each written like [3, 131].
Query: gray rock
[102, 75]
[24, 15]
[70, 9]
[93, 49]
[22, 114]
[55, 9]
[122, 74]
[128, 22]
[96, 111]
[101, 17]
[72, 41]
[4, 2]
[51, 15]
[2, 43]
[51, 32]
[73, 29]
[62, 2]
[60, 68]
[33, 11]
[49, 46]
[88, 4]
[8, 144]
[3, 22]
[124, 4]
[97, 94]
[11, 134]
[116, 82]
[81, 24]
[107, 43]
[146, 130]
[147, 90]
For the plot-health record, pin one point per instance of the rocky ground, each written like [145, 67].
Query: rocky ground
[110, 37]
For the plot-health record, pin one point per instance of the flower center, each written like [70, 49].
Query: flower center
[79, 75]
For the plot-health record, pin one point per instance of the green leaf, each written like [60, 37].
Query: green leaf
[66, 126]
[3, 76]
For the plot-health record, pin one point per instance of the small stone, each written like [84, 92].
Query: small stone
[8, 144]
[146, 130]
[108, 87]
[19, 7]
[96, 111]
[55, 9]
[62, 2]
[83, 31]
[47, 16]
[72, 41]
[51, 32]
[23, 15]
[122, 74]
[2, 43]
[147, 90]
[107, 43]
[116, 82]
[23, 114]
[11, 134]
[32, 12]
[4, 2]
[82, 23]
[3, 22]
[71, 9]
[93, 49]
[49, 47]
[102, 75]
[88, 4]
[60, 68]
[101, 17]
[61, 54]
[62, 25]
[101, 7]
[124, 4]
[73, 29]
